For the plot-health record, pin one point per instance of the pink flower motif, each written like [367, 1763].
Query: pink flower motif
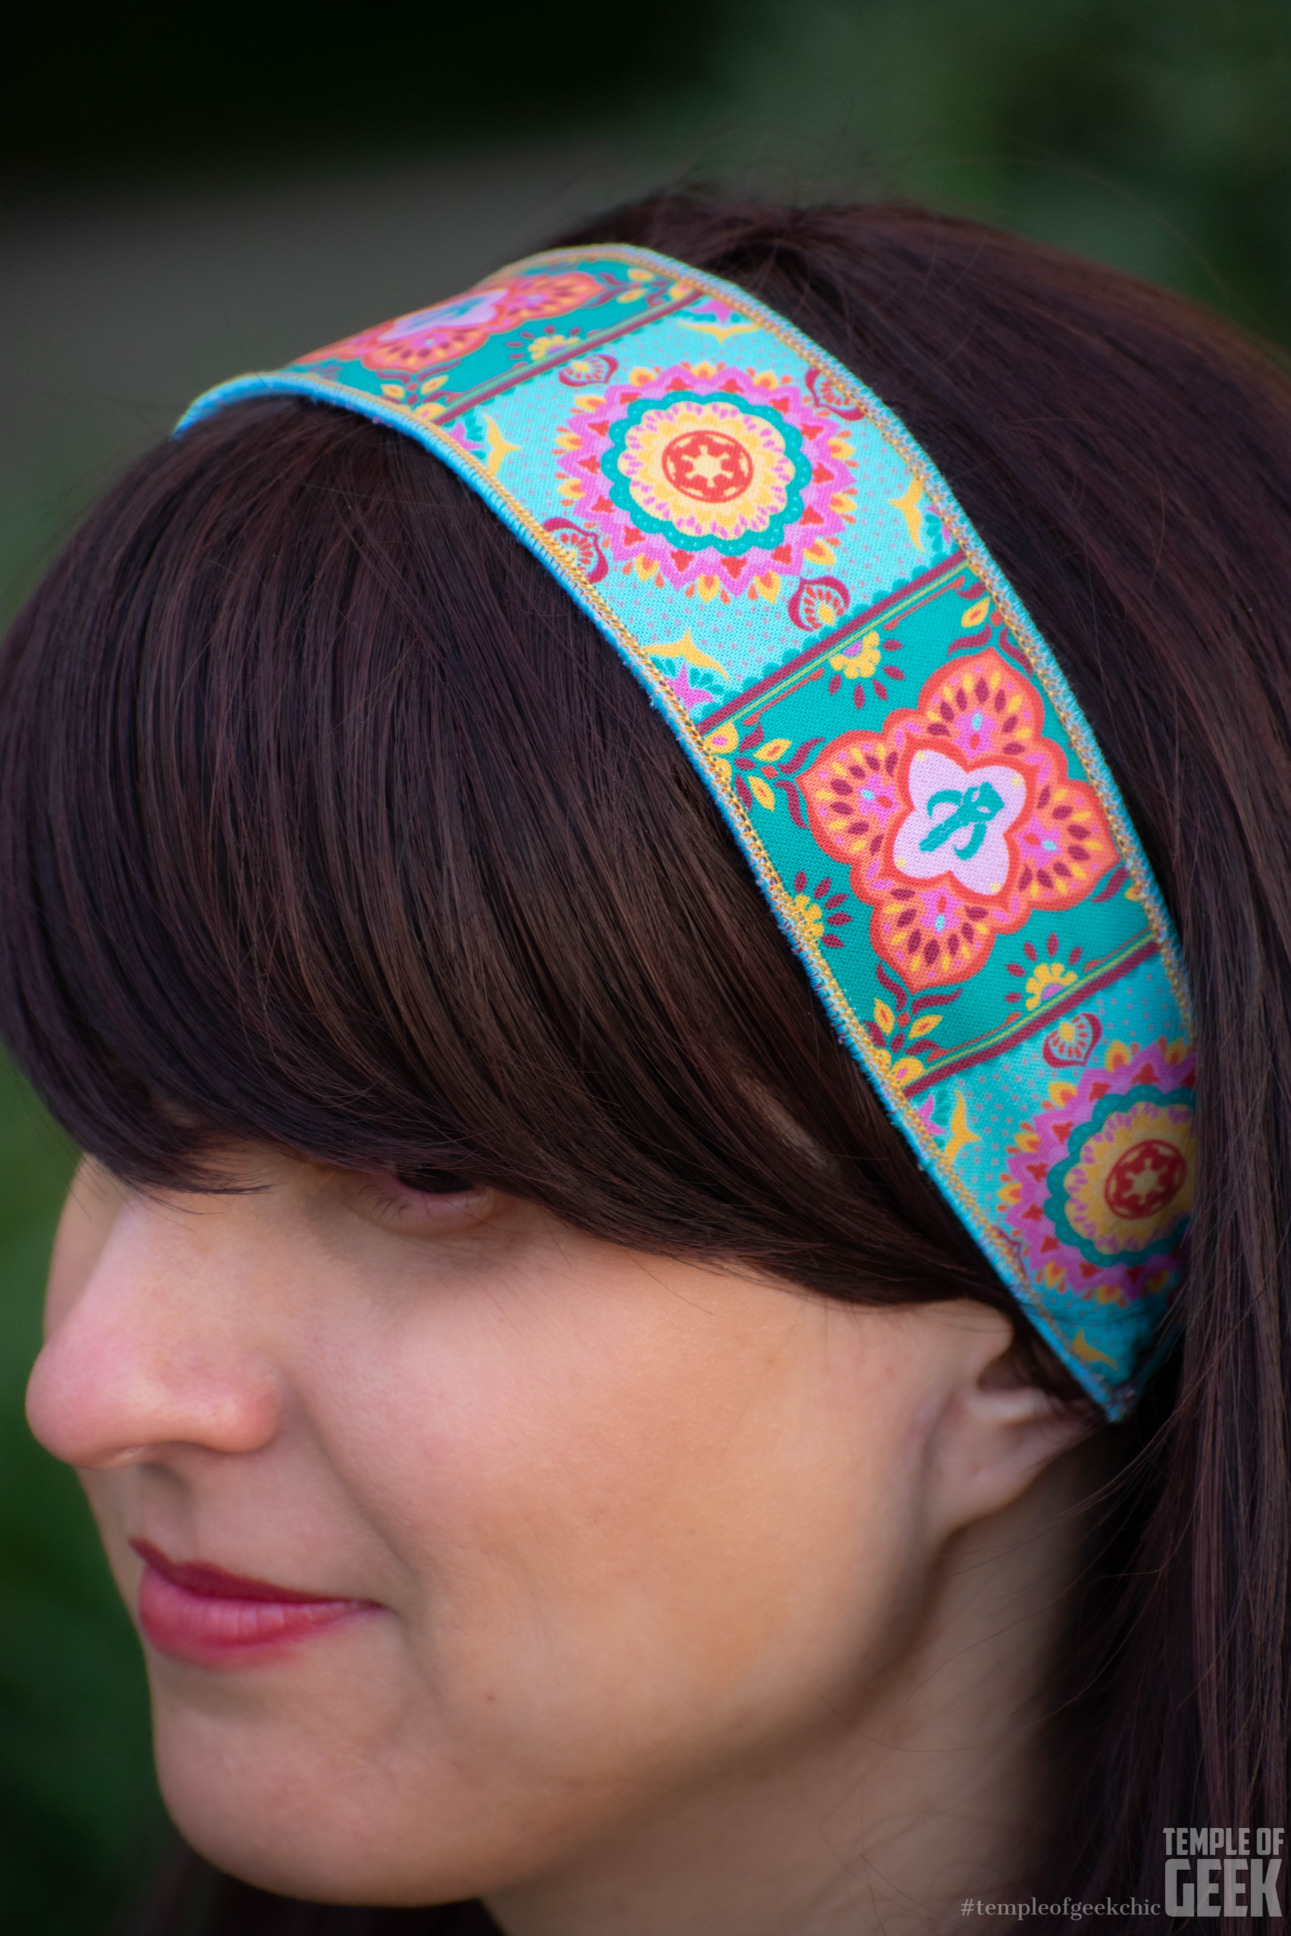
[830, 395]
[818, 602]
[429, 338]
[581, 546]
[958, 820]
[717, 481]
[1097, 1189]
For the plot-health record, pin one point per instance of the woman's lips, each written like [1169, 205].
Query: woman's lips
[210, 1618]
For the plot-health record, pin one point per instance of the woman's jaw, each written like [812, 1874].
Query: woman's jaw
[598, 1572]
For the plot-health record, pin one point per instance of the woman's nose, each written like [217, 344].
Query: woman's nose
[157, 1338]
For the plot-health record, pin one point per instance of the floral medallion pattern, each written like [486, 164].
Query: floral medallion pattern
[1098, 1187]
[430, 338]
[708, 479]
[959, 820]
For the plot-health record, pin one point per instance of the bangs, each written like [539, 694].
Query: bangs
[331, 823]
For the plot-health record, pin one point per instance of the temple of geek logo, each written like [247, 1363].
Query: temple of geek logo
[1223, 1871]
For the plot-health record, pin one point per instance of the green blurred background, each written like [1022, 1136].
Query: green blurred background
[190, 193]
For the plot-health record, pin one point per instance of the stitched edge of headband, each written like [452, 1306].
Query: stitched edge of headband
[1048, 1161]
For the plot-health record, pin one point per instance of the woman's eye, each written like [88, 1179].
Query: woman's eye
[435, 1183]
[426, 1200]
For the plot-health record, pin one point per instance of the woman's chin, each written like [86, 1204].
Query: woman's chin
[317, 1853]
[310, 1819]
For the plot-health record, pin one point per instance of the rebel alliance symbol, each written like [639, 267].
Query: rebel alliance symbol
[974, 808]
[984, 800]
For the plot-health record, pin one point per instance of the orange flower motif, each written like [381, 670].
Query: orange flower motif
[959, 821]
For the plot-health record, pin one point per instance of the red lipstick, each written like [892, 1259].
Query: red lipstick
[209, 1618]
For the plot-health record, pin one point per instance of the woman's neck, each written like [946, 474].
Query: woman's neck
[932, 1790]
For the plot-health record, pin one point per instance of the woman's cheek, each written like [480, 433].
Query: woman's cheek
[617, 1501]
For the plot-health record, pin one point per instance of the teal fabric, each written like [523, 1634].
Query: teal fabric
[891, 742]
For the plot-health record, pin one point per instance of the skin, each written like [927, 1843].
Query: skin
[702, 1605]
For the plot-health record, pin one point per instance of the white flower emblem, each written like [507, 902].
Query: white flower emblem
[958, 820]
[463, 312]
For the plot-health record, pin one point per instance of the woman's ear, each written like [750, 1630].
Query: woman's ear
[998, 1427]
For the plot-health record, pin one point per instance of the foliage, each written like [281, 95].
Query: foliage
[1155, 136]
[78, 1809]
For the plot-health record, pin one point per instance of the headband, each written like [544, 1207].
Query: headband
[890, 740]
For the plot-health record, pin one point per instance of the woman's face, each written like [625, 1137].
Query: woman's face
[582, 1531]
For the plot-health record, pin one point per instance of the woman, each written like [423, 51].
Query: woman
[571, 1452]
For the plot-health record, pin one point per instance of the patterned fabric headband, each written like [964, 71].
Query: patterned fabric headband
[890, 740]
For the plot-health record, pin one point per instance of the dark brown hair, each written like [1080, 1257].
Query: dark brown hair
[327, 819]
